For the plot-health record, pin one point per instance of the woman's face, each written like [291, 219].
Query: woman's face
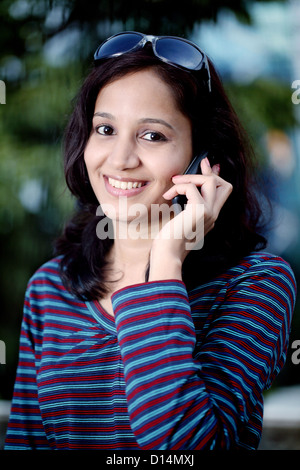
[139, 140]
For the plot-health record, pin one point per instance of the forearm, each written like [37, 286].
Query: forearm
[204, 394]
[168, 403]
[164, 265]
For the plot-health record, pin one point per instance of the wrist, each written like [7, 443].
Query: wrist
[164, 266]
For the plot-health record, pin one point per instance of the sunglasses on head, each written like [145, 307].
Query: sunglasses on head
[173, 50]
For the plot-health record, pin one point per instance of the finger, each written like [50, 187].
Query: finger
[208, 192]
[195, 180]
[223, 193]
[188, 178]
[215, 191]
[198, 179]
[205, 167]
[216, 169]
[189, 190]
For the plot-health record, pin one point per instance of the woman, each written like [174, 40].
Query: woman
[144, 340]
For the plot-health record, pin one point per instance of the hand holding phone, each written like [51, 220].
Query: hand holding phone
[193, 169]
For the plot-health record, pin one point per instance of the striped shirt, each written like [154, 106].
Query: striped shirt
[172, 370]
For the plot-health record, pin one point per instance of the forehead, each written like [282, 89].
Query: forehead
[141, 98]
[137, 91]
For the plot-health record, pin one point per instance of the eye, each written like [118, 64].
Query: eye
[154, 136]
[105, 130]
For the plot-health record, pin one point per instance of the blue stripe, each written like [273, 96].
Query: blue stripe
[87, 380]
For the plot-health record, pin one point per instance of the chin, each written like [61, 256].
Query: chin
[123, 211]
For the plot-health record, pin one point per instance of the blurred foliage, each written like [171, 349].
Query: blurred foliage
[27, 24]
[45, 50]
[262, 105]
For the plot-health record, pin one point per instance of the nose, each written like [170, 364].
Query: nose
[123, 154]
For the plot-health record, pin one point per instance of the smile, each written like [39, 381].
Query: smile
[125, 184]
[124, 187]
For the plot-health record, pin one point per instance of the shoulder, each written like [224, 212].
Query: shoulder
[47, 295]
[49, 272]
[260, 266]
[259, 277]
[256, 266]
[262, 260]
[46, 283]
[263, 285]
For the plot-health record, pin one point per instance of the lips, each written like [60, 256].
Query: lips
[124, 186]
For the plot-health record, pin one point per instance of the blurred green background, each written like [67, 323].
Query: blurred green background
[46, 49]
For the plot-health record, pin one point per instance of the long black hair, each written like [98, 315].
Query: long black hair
[216, 128]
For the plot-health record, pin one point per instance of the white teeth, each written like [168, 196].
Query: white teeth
[124, 184]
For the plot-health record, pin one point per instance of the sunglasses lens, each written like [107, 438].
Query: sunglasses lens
[119, 44]
[179, 52]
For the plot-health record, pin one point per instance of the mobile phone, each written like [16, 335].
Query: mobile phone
[193, 169]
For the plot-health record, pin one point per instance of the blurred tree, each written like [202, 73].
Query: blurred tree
[45, 49]
[24, 23]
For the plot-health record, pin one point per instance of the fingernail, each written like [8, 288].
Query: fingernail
[207, 161]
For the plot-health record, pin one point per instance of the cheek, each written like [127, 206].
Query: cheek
[181, 157]
[177, 168]
[176, 162]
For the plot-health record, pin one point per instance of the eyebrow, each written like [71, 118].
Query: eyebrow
[105, 115]
[155, 121]
[141, 121]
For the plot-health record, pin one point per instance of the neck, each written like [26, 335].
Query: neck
[133, 240]
[130, 252]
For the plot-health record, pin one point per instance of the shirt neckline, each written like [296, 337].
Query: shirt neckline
[102, 316]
